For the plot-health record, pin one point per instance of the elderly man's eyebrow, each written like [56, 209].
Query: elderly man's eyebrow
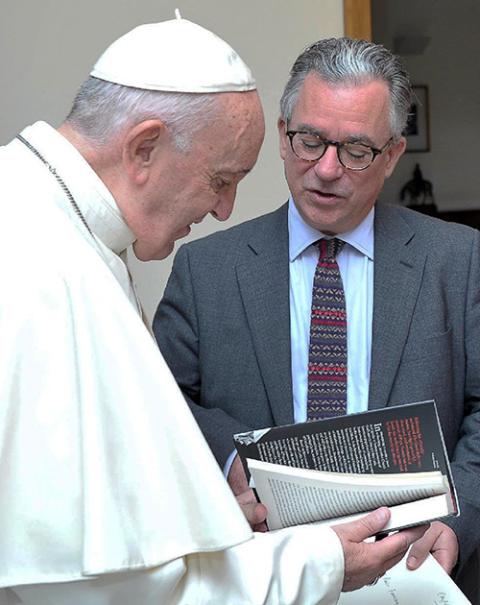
[363, 139]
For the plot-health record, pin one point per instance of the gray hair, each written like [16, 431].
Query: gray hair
[101, 110]
[349, 61]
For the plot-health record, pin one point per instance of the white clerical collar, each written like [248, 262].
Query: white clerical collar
[88, 190]
[301, 235]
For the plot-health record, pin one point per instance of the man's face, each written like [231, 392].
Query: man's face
[328, 196]
[186, 186]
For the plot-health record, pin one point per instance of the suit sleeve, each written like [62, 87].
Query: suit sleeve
[176, 329]
[466, 457]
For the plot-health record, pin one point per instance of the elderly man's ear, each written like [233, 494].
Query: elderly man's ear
[141, 147]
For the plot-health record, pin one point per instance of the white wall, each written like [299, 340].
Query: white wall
[449, 66]
[48, 48]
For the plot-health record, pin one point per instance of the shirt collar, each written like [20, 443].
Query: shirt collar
[88, 190]
[301, 235]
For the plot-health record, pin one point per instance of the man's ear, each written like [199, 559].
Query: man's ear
[394, 152]
[140, 148]
[283, 139]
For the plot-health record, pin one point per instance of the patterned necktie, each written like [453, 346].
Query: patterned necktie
[327, 354]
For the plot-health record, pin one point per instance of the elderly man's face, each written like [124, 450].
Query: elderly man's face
[188, 186]
[328, 196]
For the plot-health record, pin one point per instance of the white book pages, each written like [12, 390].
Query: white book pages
[294, 496]
[427, 585]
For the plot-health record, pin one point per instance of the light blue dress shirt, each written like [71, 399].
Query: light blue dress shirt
[355, 262]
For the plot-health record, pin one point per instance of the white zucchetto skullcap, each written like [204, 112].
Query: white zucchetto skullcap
[174, 56]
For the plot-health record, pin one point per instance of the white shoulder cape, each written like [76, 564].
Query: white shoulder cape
[102, 467]
[101, 460]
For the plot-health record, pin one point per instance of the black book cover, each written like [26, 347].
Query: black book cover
[394, 439]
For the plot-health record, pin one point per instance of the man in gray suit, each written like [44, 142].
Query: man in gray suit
[234, 321]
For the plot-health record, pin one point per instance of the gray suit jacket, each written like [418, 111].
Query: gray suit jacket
[223, 327]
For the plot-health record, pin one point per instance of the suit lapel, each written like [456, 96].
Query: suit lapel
[398, 270]
[263, 279]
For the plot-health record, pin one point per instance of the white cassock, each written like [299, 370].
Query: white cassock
[108, 492]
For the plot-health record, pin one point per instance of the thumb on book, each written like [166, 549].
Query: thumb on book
[371, 524]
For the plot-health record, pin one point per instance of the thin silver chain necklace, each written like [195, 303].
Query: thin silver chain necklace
[59, 179]
[77, 210]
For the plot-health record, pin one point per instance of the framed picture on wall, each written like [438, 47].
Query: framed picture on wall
[417, 131]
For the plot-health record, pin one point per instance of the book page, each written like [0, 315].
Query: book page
[295, 496]
[406, 515]
[428, 585]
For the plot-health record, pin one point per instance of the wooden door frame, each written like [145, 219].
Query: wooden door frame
[357, 19]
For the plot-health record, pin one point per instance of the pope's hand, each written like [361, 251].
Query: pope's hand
[365, 562]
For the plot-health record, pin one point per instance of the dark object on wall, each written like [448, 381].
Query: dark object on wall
[417, 194]
[417, 131]
[417, 191]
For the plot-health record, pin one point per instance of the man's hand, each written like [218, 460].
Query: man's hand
[254, 512]
[236, 477]
[367, 561]
[441, 541]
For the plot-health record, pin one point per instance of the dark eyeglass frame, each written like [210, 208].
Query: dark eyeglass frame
[374, 150]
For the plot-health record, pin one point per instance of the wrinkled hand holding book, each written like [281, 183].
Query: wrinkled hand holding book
[365, 561]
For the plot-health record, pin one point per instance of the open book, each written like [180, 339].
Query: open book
[294, 495]
[335, 470]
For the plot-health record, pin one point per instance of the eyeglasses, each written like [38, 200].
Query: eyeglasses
[354, 156]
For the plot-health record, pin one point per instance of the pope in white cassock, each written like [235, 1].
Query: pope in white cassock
[108, 492]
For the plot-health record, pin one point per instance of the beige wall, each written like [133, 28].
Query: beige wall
[48, 47]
